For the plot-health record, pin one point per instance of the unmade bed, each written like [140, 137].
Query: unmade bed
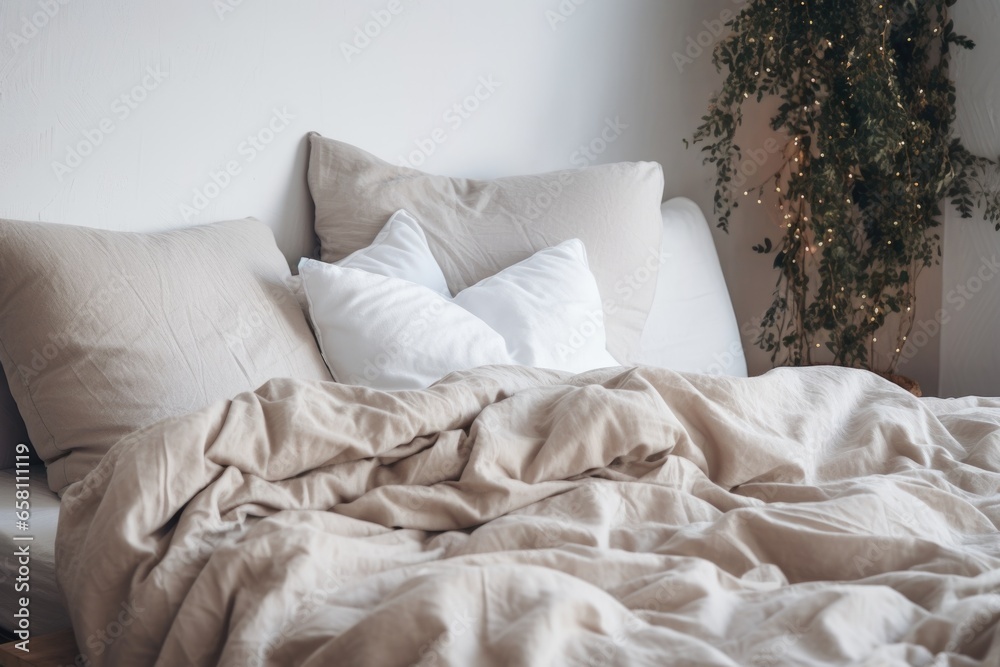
[493, 423]
[511, 516]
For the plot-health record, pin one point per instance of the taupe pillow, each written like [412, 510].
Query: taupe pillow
[477, 228]
[104, 332]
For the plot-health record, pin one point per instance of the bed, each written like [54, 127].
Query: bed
[48, 611]
[314, 478]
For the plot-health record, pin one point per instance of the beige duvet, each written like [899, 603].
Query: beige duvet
[517, 517]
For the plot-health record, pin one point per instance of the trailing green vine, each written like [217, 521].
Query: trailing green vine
[866, 113]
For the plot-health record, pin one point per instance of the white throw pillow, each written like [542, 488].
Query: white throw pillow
[547, 308]
[400, 250]
[389, 333]
[377, 328]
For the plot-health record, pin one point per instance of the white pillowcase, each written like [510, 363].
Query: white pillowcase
[377, 327]
[389, 333]
[547, 308]
[400, 251]
[691, 326]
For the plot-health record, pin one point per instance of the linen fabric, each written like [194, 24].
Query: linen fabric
[476, 228]
[102, 332]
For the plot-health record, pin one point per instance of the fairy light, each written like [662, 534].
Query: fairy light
[808, 237]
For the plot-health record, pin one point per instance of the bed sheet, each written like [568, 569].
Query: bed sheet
[48, 612]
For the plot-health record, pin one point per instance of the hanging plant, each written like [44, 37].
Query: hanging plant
[867, 155]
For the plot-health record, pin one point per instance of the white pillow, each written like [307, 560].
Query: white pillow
[691, 326]
[389, 333]
[547, 308]
[386, 332]
[400, 250]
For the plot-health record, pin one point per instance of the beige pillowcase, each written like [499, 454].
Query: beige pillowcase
[477, 228]
[104, 332]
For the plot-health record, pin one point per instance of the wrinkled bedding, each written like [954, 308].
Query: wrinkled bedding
[509, 516]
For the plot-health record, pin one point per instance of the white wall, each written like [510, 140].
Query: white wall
[227, 71]
[970, 338]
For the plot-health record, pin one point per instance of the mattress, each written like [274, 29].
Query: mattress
[46, 607]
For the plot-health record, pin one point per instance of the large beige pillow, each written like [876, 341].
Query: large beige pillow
[104, 332]
[477, 228]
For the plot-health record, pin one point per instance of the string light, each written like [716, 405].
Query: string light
[873, 67]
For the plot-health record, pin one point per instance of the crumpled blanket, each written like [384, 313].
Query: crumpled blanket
[509, 516]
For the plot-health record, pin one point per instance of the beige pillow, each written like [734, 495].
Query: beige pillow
[477, 228]
[104, 332]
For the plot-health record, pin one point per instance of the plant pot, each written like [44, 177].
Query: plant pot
[909, 384]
